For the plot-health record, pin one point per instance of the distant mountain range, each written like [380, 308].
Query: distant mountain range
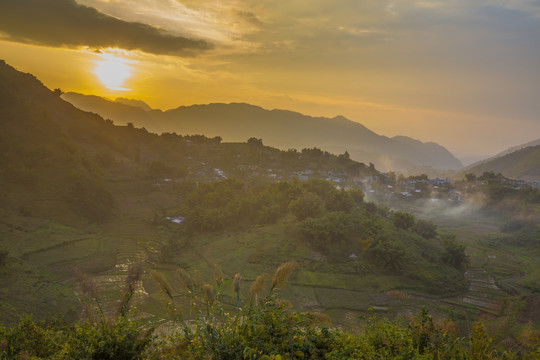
[279, 128]
[518, 162]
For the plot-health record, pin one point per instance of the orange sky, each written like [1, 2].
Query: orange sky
[463, 74]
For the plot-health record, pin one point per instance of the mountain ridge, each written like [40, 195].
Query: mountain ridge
[503, 153]
[280, 128]
[523, 164]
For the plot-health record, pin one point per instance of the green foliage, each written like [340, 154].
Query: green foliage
[331, 230]
[425, 228]
[256, 330]
[235, 204]
[388, 253]
[480, 342]
[403, 220]
[454, 252]
[30, 338]
[111, 340]
[307, 206]
[116, 339]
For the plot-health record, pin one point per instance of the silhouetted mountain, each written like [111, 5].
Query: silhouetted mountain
[121, 112]
[132, 102]
[521, 164]
[279, 128]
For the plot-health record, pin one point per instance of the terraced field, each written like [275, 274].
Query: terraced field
[107, 251]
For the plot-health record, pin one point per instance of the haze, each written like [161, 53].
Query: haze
[460, 73]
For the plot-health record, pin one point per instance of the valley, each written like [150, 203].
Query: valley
[84, 202]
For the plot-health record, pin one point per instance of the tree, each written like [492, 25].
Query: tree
[58, 92]
[307, 206]
[425, 228]
[345, 156]
[454, 253]
[388, 253]
[329, 231]
[403, 220]
[255, 142]
[470, 177]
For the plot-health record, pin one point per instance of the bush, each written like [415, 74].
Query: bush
[403, 220]
[307, 206]
[425, 228]
[390, 254]
[454, 253]
[109, 340]
[332, 230]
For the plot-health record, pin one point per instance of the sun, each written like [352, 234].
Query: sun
[113, 71]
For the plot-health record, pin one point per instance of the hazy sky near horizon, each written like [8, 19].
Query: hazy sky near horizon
[463, 73]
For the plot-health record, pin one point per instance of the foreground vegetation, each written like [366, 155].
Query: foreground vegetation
[258, 327]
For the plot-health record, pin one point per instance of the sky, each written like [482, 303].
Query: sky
[462, 73]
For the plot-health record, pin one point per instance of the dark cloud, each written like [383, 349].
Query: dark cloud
[64, 23]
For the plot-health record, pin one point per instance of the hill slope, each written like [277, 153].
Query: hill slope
[521, 164]
[279, 128]
[518, 147]
[80, 194]
[503, 153]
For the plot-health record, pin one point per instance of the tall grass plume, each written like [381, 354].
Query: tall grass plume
[283, 273]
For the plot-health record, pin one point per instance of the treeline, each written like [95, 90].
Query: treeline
[259, 326]
[337, 223]
[233, 204]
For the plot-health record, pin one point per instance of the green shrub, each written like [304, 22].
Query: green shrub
[307, 206]
[425, 228]
[403, 220]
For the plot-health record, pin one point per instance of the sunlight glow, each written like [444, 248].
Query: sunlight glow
[113, 71]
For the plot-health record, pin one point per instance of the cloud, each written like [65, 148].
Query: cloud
[249, 17]
[64, 23]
